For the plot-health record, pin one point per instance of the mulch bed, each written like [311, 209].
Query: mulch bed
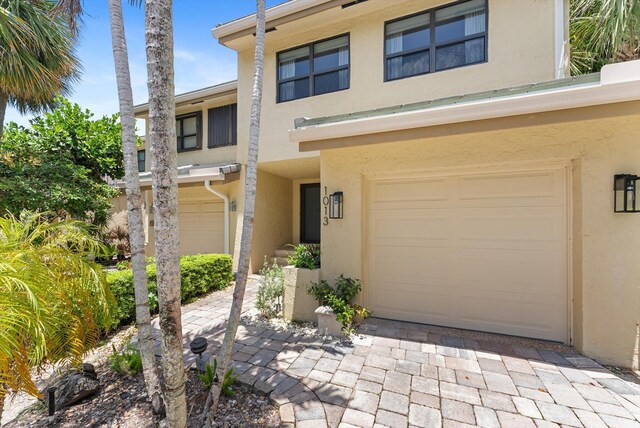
[122, 402]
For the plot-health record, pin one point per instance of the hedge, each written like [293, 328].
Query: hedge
[198, 275]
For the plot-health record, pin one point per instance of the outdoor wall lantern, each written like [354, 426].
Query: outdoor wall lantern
[624, 193]
[335, 205]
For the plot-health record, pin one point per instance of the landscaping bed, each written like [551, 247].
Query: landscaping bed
[122, 402]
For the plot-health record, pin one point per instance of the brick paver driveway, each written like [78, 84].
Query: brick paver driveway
[398, 374]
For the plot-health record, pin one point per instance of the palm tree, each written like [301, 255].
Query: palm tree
[134, 208]
[54, 302]
[602, 32]
[247, 226]
[37, 56]
[162, 137]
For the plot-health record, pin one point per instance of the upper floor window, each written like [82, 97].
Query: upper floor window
[141, 160]
[189, 131]
[314, 69]
[223, 126]
[438, 39]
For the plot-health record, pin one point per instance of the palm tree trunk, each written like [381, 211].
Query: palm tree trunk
[4, 100]
[3, 393]
[247, 226]
[162, 137]
[134, 208]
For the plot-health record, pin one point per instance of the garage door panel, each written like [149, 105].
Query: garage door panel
[411, 226]
[201, 225]
[399, 301]
[409, 191]
[508, 272]
[520, 315]
[541, 225]
[503, 188]
[399, 264]
[483, 251]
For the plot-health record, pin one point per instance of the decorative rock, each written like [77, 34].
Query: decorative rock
[328, 325]
[73, 386]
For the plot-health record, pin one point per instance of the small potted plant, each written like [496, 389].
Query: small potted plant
[303, 270]
[336, 314]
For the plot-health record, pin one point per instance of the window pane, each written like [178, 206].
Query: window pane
[189, 142]
[459, 54]
[141, 161]
[189, 126]
[461, 20]
[178, 131]
[294, 89]
[408, 65]
[410, 33]
[293, 63]
[330, 54]
[330, 82]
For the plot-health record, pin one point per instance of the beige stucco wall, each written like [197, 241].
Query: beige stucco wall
[597, 142]
[521, 50]
[272, 221]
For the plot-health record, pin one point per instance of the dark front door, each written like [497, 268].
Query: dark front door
[310, 213]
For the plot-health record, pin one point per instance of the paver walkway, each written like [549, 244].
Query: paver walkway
[397, 374]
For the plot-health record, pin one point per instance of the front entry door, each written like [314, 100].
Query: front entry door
[310, 213]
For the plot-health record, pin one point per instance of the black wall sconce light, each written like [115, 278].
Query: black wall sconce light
[335, 205]
[624, 193]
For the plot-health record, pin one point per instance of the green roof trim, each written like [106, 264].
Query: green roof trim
[586, 79]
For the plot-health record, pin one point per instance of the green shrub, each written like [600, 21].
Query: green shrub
[339, 300]
[269, 295]
[128, 361]
[199, 275]
[209, 377]
[305, 256]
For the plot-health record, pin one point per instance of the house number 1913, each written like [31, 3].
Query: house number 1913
[325, 203]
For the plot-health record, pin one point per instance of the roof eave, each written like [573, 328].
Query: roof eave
[618, 83]
[221, 89]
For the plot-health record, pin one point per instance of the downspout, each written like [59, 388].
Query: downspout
[225, 198]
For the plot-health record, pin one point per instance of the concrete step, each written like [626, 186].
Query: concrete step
[284, 252]
[280, 261]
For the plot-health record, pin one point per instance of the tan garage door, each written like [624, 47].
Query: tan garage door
[201, 226]
[483, 251]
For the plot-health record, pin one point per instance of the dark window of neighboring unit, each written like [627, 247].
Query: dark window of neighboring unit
[438, 39]
[141, 159]
[189, 131]
[223, 126]
[315, 69]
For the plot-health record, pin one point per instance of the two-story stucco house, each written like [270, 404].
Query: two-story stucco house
[440, 152]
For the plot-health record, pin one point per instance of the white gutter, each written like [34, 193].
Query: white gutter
[225, 198]
[618, 83]
[276, 12]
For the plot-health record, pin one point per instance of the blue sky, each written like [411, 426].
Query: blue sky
[199, 59]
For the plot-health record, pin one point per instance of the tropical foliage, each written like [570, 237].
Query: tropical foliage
[58, 166]
[54, 301]
[602, 32]
[339, 299]
[270, 290]
[37, 55]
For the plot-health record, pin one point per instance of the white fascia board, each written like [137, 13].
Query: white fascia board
[211, 91]
[275, 12]
[619, 83]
